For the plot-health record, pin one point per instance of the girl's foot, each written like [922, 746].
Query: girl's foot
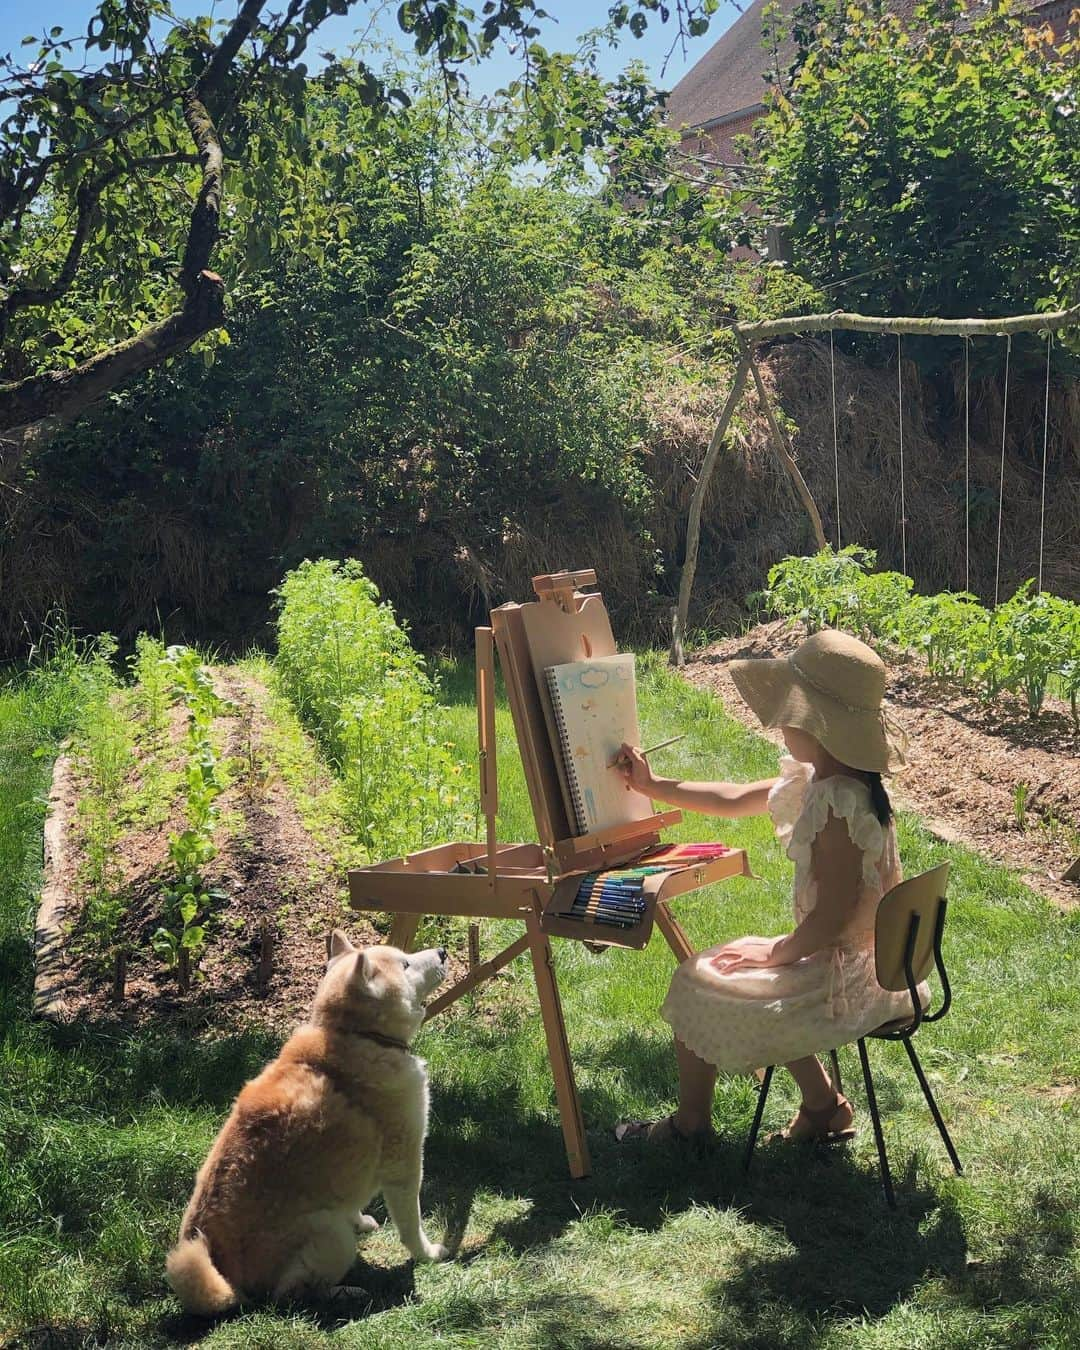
[656, 1131]
[826, 1125]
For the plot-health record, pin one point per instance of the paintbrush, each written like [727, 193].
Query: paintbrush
[660, 745]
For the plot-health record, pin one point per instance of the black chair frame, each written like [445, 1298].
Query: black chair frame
[888, 1033]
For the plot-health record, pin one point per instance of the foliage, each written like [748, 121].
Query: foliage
[102, 753]
[189, 899]
[1024, 646]
[113, 158]
[930, 165]
[358, 685]
[443, 335]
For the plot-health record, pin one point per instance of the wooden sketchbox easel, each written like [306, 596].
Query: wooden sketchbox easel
[533, 882]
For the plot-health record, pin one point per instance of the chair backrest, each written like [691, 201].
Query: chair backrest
[924, 897]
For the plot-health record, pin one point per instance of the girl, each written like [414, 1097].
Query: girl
[758, 1000]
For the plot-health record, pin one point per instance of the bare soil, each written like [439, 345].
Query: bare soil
[277, 877]
[988, 777]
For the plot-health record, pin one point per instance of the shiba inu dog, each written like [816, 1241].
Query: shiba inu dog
[339, 1116]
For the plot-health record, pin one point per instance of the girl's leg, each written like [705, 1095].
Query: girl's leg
[830, 1115]
[814, 1083]
[697, 1079]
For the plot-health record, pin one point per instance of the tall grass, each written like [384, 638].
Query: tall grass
[361, 689]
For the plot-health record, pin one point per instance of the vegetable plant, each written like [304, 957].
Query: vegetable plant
[189, 899]
[1026, 646]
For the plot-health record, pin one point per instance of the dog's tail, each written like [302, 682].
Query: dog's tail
[196, 1281]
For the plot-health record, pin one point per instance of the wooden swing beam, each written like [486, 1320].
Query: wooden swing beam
[747, 335]
[864, 323]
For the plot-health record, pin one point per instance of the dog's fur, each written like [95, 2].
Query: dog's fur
[339, 1116]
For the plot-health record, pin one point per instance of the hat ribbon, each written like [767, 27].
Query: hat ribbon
[850, 707]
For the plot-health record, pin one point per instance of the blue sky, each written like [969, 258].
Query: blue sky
[569, 19]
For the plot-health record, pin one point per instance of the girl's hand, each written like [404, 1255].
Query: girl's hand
[745, 955]
[634, 767]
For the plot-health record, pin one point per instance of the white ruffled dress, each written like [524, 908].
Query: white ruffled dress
[752, 1017]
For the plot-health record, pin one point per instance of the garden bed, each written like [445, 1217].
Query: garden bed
[282, 888]
[991, 778]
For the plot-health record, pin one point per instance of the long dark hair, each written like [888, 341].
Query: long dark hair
[879, 798]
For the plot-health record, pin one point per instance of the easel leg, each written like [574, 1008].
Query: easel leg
[672, 931]
[403, 930]
[562, 1069]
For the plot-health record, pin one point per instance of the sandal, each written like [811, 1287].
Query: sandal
[812, 1125]
[657, 1131]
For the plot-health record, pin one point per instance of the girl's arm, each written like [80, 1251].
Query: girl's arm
[711, 799]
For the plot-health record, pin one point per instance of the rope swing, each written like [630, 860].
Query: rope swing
[1046, 437]
[967, 464]
[1001, 473]
[903, 509]
[835, 448]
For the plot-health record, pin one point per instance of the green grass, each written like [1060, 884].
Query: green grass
[101, 1132]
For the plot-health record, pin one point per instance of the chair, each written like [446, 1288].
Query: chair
[907, 937]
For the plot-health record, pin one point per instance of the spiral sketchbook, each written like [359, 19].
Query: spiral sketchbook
[594, 707]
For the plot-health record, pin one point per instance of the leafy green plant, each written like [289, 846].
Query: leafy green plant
[1020, 798]
[1038, 638]
[820, 590]
[1027, 645]
[350, 671]
[150, 670]
[189, 899]
[105, 756]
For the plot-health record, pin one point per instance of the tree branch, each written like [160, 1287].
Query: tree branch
[864, 323]
[87, 198]
[239, 32]
[59, 395]
[203, 231]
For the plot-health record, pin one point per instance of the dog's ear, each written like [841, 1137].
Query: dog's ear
[337, 944]
[361, 969]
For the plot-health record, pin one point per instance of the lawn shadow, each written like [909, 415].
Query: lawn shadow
[849, 1253]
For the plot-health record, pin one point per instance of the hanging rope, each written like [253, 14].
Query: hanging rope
[903, 509]
[1001, 473]
[967, 464]
[835, 447]
[1046, 437]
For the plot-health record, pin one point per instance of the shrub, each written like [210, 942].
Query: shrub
[350, 671]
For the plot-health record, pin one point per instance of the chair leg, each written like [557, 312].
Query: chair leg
[879, 1138]
[933, 1106]
[763, 1092]
[837, 1083]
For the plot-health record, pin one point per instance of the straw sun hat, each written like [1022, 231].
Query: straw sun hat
[832, 686]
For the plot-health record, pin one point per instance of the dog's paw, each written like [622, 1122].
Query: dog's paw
[365, 1224]
[433, 1251]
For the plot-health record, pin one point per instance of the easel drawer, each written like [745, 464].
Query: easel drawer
[656, 888]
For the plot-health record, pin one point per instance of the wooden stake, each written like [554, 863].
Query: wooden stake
[183, 970]
[693, 523]
[787, 459]
[266, 954]
[474, 945]
[119, 974]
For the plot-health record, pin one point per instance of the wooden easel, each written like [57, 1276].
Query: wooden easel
[531, 882]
